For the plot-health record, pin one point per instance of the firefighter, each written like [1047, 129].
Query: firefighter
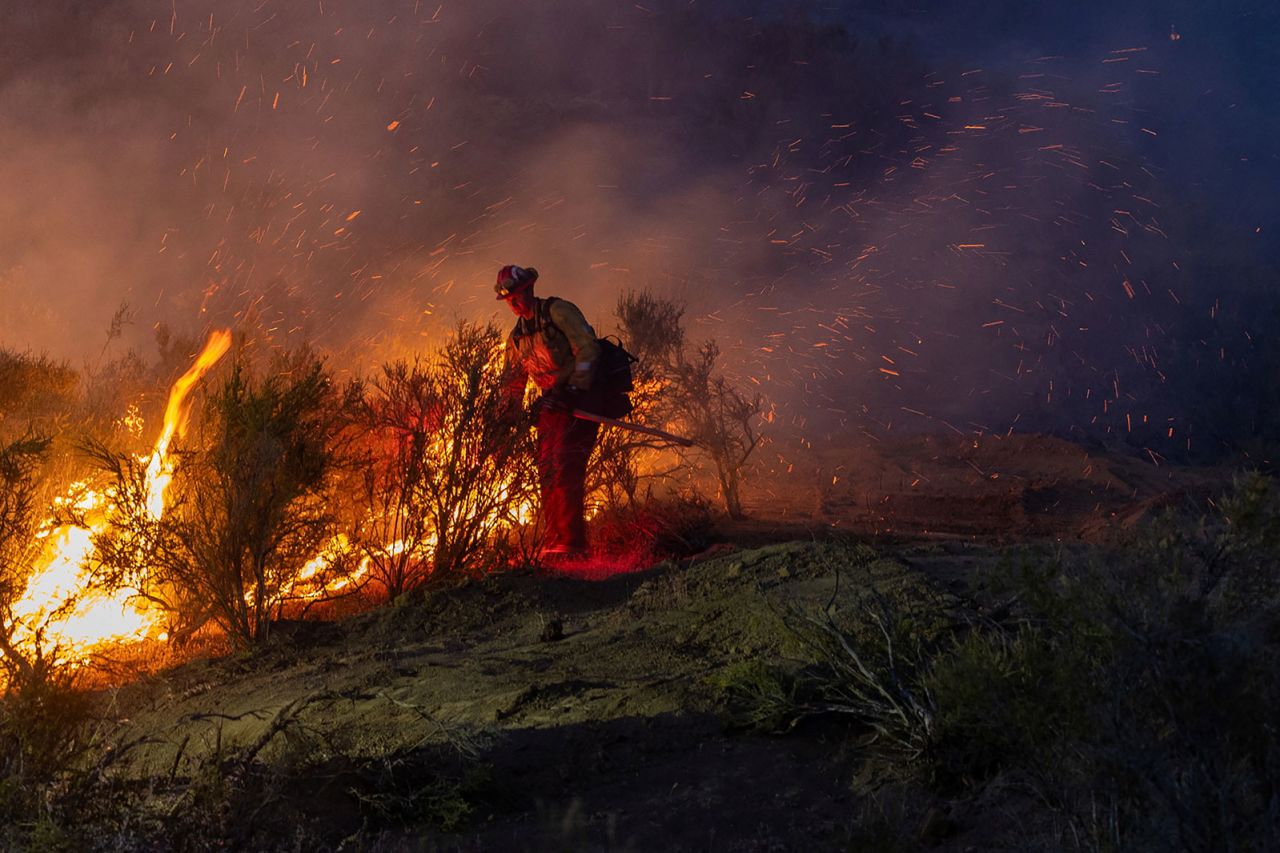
[553, 345]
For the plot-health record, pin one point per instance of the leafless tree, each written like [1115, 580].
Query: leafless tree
[722, 420]
[682, 387]
[652, 329]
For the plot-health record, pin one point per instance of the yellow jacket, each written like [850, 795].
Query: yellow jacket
[557, 345]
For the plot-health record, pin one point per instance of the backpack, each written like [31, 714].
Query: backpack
[612, 381]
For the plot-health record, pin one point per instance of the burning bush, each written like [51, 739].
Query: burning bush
[445, 465]
[21, 506]
[249, 508]
[39, 709]
[41, 714]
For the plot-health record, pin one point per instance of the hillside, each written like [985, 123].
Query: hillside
[714, 701]
[531, 710]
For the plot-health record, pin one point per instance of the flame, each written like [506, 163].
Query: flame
[60, 609]
[159, 474]
[315, 581]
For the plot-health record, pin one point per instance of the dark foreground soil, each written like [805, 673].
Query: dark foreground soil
[542, 711]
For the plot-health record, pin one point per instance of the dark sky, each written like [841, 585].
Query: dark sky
[1047, 216]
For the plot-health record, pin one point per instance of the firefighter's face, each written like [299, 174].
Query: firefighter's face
[521, 303]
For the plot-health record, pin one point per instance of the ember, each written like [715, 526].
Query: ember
[920, 293]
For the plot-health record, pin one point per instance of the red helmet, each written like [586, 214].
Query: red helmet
[513, 279]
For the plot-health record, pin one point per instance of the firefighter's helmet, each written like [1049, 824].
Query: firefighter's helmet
[513, 279]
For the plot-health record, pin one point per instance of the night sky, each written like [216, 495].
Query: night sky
[979, 217]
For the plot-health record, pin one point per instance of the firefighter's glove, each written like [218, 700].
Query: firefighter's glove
[560, 399]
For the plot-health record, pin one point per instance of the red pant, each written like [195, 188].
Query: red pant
[564, 446]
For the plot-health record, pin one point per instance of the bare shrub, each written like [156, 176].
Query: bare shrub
[868, 663]
[652, 329]
[722, 420]
[445, 467]
[682, 387]
[875, 675]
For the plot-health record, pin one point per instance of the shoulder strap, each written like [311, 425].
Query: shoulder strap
[544, 315]
[540, 320]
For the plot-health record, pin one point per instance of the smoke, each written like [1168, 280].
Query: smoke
[890, 220]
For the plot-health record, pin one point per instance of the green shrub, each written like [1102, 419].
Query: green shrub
[1132, 690]
[869, 667]
[1005, 701]
[759, 697]
[1140, 692]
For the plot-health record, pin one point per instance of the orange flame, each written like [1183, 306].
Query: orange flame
[60, 609]
[158, 473]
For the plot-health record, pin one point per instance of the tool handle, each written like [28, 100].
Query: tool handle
[627, 425]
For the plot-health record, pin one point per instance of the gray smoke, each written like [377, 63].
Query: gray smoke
[889, 219]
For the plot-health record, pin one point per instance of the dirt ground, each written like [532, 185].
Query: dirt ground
[543, 711]
[993, 488]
